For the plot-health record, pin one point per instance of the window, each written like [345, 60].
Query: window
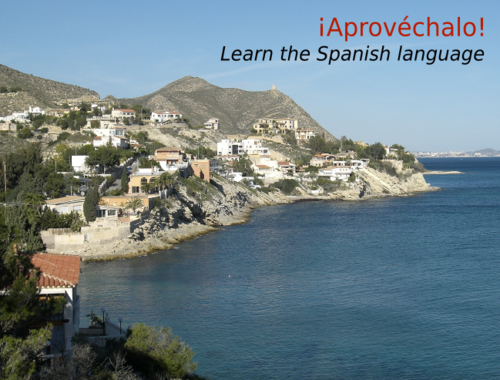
[77, 208]
[63, 208]
[111, 212]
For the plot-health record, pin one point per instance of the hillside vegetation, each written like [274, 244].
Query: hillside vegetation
[36, 91]
[237, 109]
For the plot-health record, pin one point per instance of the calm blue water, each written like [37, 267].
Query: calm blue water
[394, 288]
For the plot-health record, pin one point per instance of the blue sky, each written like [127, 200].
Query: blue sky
[131, 48]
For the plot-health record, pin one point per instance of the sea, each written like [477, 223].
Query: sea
[388, 288]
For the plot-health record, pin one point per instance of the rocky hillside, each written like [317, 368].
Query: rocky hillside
[237, 109]
[36, 91]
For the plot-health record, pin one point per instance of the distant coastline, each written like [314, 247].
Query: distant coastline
[442, 172]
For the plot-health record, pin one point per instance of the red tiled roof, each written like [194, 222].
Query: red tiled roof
[283, 163]
[263, 167]
[97, 138]
[57, 271]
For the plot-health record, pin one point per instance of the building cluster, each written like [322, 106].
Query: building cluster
[22, 117]
[269, 125]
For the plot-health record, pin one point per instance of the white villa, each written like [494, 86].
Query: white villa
[161, 117]
[250, 146]
[254, 146]
[229, 147]
[23, 117]
[212, 123]
[118, 142]
[122, 113]
[111, 131]
[79, 165]
[304, 134]
[335, 173]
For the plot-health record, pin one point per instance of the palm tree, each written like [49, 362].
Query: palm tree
[165, 180]
[147, 187]
[133, 204]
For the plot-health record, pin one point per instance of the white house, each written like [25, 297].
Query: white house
[108, 132]
[164, 116]
[35, 111]
[228, 147]
[79, 165]
[335, 173]
[118, 142]
[304, 134]
[363, 163]
[212, 123]
[254, 146]
[122, 113]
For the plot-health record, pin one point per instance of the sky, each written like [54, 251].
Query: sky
[131, 48]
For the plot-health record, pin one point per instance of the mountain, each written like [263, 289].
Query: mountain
[486, 152]
[36, 91]
[237, 109]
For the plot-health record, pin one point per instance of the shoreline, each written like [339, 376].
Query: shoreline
[189, 231]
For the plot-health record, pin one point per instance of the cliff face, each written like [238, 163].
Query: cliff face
[375, 184]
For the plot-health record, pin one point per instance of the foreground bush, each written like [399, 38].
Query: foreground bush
[156, 350]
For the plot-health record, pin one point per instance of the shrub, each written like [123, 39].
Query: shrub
[286, 185]
[151, 349]
[24, 133]
[328, 185]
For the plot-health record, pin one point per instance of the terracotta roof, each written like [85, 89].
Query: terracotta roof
[57, 271]
[263, 166]
[64, 199]
[98, 138]
[283, 163]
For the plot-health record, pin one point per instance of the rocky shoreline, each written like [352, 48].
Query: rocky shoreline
[199, 208]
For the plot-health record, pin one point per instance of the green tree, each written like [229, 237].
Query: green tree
[124, 181]
[376, 151]
[20, 305]
[104, 155]
[286, 185]
[152, 350]
[25, 133]
[90, 203]
[54, 185]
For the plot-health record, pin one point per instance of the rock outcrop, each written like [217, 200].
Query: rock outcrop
[373, 183]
